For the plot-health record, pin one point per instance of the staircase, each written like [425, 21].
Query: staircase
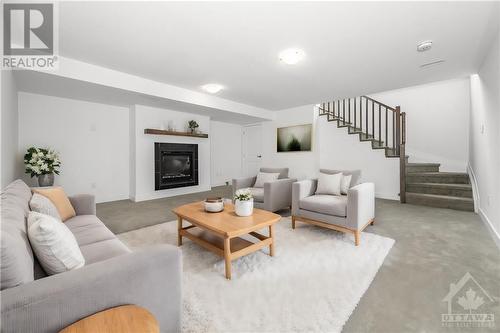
[385, 128]
[426, 186]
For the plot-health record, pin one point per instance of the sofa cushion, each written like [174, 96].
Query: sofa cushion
[16, 255]
[43, 205]
[282, 171]
[103, 250]
[356, 175]
[59, 199]
[329, 184]
[55, 246]
[264, 177]
[257, 193]
[88, 229]
[325, 204]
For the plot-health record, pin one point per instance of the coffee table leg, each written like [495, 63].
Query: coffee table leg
[179, 228]
[271, 235]
[227, 257]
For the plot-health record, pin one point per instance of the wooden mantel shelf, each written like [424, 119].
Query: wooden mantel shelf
[165, 132]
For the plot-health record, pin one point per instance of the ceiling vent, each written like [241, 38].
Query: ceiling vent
[432, 63]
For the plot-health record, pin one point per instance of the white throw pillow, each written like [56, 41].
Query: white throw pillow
[43, 205]
[345, 183]
[265, 177]
[54, 244]
[329, 184]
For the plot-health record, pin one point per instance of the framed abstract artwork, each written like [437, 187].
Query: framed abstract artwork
[294, 138]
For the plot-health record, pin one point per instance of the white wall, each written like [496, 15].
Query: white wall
[11, 165]
[148, 117]
[437, 118]
[226, 151]
[339, 150]
[302, 165]
[484, 149]
[92, 140]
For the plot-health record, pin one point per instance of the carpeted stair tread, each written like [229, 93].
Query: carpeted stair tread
[442, 201]
[455, 190]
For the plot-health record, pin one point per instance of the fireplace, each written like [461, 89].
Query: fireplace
[176, 165]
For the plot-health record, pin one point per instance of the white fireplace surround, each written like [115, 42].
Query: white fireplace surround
[142, 182]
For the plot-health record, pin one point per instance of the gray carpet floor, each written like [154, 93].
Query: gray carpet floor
[434, 248]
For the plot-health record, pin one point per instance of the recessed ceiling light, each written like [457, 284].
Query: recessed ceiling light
[292, 56]
[432, 63]
[424, 46]
[212, 88]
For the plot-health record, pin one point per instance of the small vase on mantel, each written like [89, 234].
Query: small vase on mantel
[243, 207]
[46, 180]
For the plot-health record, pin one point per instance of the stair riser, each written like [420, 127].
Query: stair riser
[440, 203]
[444, 179]
[422, 168]
[439, 191]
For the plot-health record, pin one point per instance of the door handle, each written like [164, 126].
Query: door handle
[259, 156]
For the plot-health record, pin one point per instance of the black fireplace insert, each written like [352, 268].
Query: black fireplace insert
[176, 165]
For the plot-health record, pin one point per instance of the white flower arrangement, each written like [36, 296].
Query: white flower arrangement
[243, 195]
[41, 161]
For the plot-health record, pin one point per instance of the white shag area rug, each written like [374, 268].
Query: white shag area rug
[312, 284]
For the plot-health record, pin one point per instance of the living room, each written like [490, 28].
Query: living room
[288, 166]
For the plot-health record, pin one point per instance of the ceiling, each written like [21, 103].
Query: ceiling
[352, 48]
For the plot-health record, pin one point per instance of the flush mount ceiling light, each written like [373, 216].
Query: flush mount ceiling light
[424, 46]
[292, 56]
[212, 88]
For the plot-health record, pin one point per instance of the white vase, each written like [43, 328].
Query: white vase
[243, 208]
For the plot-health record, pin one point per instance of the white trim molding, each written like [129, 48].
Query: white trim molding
[475, 190]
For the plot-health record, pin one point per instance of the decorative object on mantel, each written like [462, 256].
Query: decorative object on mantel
[193, 125]
[243, 202]
[214, 205]
[156, 131]
[43, 163]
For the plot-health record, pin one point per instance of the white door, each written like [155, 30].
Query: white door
[252, 149]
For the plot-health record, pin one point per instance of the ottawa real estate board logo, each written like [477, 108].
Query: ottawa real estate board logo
[468, 305]
[29, 36]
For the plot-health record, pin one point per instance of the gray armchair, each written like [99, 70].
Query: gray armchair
[346, 213]
[274, 195]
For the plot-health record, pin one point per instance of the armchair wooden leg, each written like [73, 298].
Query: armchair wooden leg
[293, 222]
[372, 222]
[356, 237]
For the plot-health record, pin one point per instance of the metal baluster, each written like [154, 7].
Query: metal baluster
[379, 126]
[366, 117]
[386, 127]
[349, 110]
[373, 119]
[355, 125]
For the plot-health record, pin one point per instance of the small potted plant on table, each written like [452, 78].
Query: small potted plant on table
[43, 163]
[243, 202]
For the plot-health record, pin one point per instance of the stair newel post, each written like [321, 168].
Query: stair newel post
[400, 149]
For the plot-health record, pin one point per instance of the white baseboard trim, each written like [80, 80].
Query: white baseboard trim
[388, 196]
[475, 190]
[494, 233]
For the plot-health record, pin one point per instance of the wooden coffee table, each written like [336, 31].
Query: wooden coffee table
[121, 319]
[219, 232]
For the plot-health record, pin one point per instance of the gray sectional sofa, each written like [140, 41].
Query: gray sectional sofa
[112, 275]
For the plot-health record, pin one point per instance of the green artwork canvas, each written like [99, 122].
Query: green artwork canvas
[295, 138]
